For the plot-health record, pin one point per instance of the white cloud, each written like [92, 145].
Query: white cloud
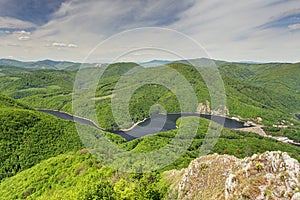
[22, 35]
[57, 44]
[96, 20]
[72, 46]
[61, 44]
[294, 26]
[229, 30]
[11, 23]
[24, 38]
[22, 32]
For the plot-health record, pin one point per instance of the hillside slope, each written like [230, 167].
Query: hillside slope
[270, 175]
[78, 175]
[8, 102]
[269, 91]
[280, 80]
[28, 137]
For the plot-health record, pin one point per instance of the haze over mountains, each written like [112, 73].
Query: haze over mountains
[50, 64]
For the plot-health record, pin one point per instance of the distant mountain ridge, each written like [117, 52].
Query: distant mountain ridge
[155, 63]
[43, 64]
[61, 65]
[34, 146]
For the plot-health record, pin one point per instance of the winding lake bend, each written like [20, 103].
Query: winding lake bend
[150, 125]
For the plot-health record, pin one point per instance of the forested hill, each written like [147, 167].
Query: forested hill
[254, 91]
[44, 64]
[36, 162]
[8, 102]
[28, 137]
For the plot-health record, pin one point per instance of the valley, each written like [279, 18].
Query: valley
[44, 142]
[149, 100]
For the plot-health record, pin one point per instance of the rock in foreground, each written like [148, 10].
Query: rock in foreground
[271, 175]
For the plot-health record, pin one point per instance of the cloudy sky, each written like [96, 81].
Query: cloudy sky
[228, 30]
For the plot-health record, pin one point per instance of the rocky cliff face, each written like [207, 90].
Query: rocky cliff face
[271, 175]
[205, 109]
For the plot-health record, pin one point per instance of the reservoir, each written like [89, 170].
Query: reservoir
[154, 124]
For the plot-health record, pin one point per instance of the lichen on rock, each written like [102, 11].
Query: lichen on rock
[270, 175]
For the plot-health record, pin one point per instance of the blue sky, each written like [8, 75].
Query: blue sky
[228, 30]
[35, 11]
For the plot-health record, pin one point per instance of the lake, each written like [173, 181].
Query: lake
[154, 124]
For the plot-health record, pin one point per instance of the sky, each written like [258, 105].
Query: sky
[262, 31]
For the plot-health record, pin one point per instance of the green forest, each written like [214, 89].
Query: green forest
[43, 157]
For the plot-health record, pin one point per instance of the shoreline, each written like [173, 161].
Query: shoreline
[257, 129]
[79, 117]
[73, 116]
[134, 125]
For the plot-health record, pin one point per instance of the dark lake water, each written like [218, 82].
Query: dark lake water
[156, 123]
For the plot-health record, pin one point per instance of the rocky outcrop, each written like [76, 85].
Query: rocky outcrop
[254, 129]
[271, 175]
[203, 109]
[222, 110]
